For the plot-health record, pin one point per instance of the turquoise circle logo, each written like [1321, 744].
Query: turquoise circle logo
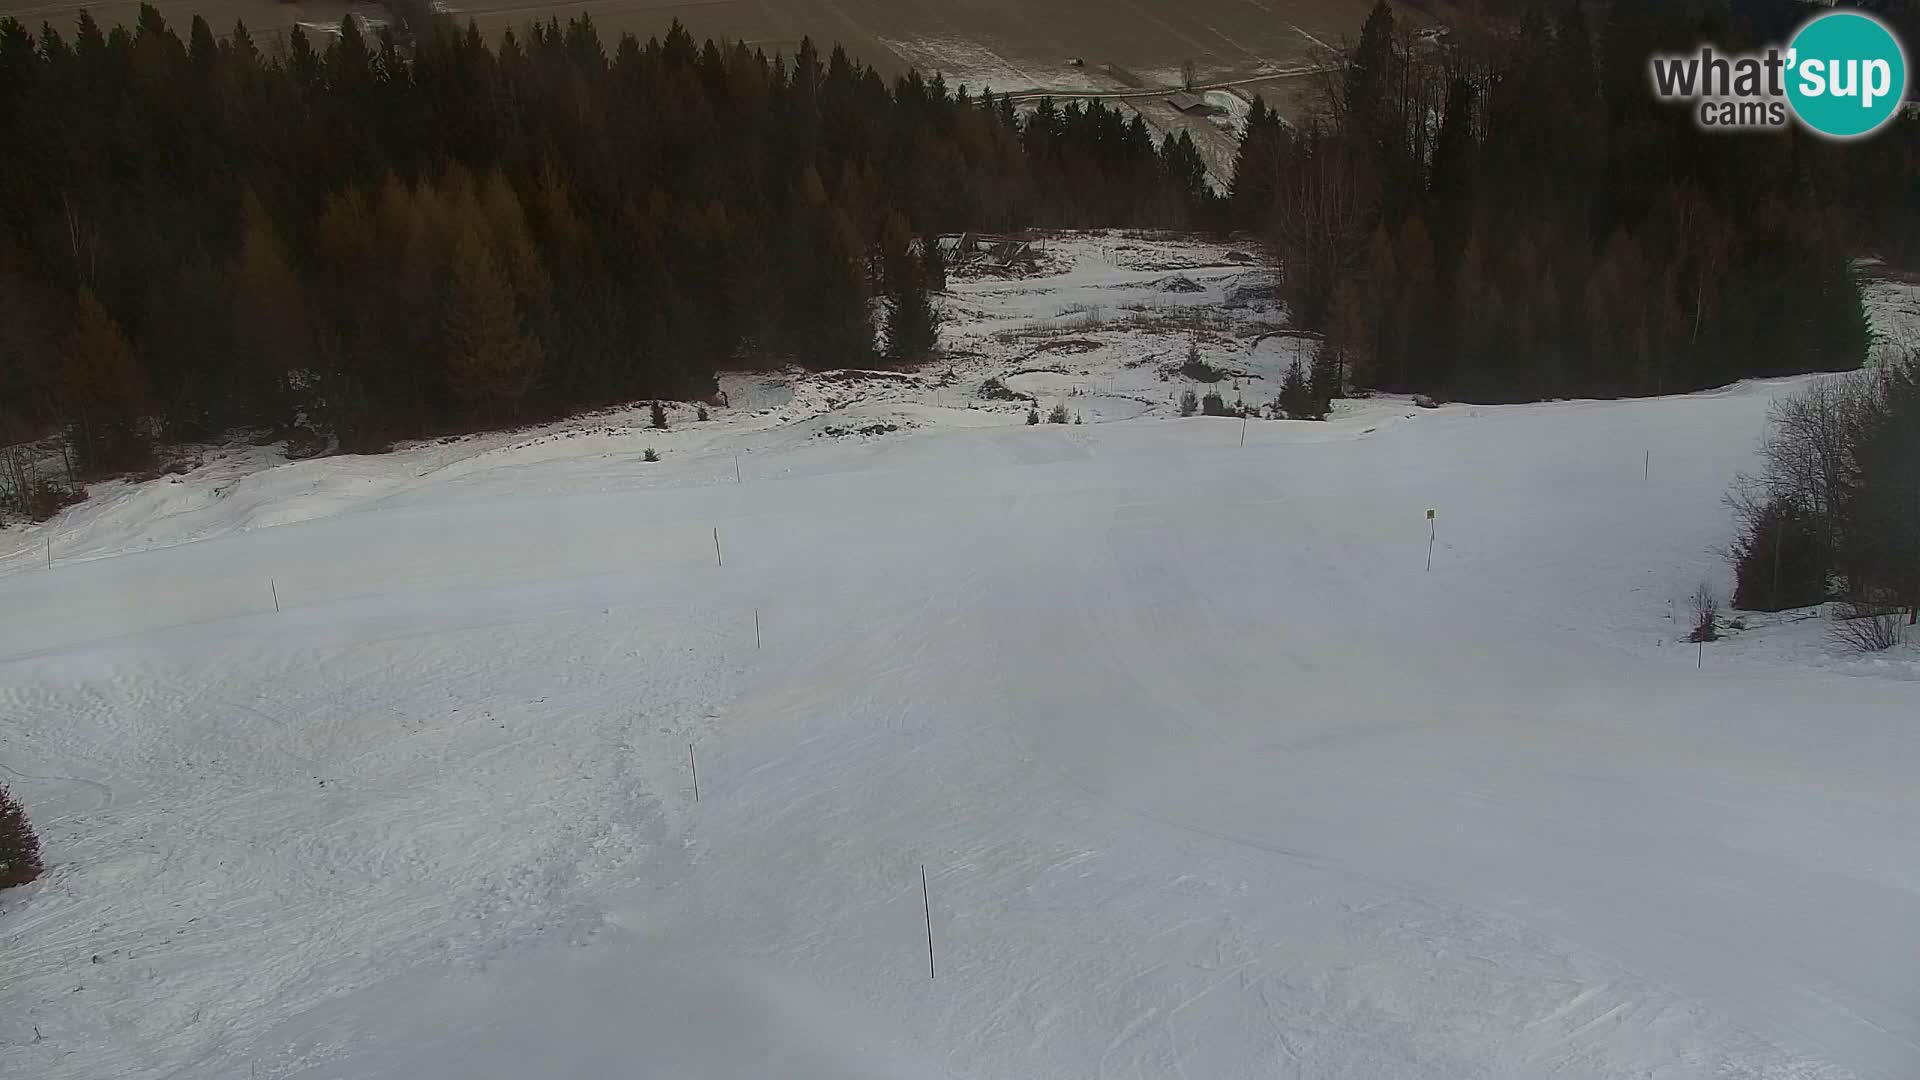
[1848, 74]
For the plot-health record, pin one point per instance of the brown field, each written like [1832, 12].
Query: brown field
[1011, 44]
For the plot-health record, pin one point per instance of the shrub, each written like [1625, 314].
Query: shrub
[650, 455]
[1706, 614]
[659, 416]
[1866, 627]
[1033, 415]
[1189, 403]
[1058, 415]
[19, 848]
[995, 390]
[1779, 559]
[48, 498]
[701, 413]
[1197, 369]
[1214, 405]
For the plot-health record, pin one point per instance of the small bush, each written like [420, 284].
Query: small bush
[48, 498]
[995, 390]
[1189, 403]
[659, 416]
[1058, 415]
[1215, 405]
[1197, 369]
[701, 413]
[1779, 560]
[650, 455]
[19, 848]
[1706, 614]
[1033, 415]
[1076, 418]
[1867, 628]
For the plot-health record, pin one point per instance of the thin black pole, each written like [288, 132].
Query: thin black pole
[736, 468]
[756, 628]
[275, 586]
[691, 764]
[928, 904]
[1433, 531]
[717, 560]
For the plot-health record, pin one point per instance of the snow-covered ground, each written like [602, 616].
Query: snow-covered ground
[1209, 775]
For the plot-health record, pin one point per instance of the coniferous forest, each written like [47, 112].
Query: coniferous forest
[369, 237]
[381, 238]
[1511, 215]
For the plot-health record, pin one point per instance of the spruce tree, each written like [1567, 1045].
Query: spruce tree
[1323, 381]
[1296, 400]
[913, 323]
[105, 390]
[19, 847]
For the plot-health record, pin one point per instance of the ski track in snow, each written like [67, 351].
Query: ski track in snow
[1210, 776]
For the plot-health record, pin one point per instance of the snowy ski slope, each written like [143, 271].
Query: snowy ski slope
[1210, 777]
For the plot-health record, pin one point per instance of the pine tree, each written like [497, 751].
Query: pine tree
[1323, 382]
[1296, 400]
[270, 329]
[933, 264]
[1370, 74]
[658, 415]
[490, 360]
[1256, 168]
[913, 323]
[105, 389]
[19, 847]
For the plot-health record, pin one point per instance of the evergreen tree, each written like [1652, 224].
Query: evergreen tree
[270, 330]
[19, 847]
[1323, 381]
[1296, 400]
[105, 389]
[913, 323]
[490, 360]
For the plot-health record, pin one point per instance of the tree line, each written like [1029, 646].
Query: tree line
[390, 234]
[378, 235]
[1834, 510]
[1506, 213]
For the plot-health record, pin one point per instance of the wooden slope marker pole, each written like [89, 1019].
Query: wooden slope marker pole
[927, 904]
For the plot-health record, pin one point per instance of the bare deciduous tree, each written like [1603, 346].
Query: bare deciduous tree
[1706, 613]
